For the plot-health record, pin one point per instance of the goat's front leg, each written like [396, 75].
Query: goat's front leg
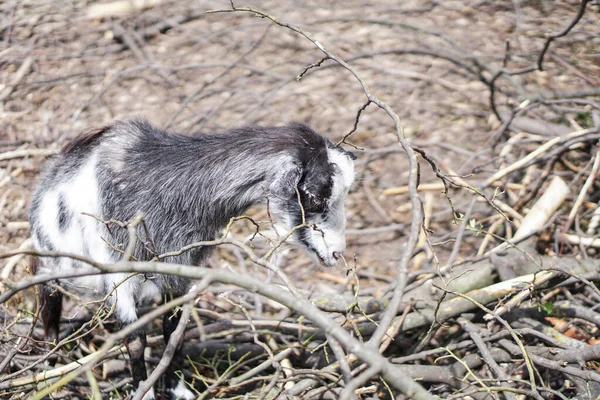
[136, 343]
[175, 384]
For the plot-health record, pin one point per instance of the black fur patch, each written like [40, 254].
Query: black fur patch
[64, 215]
[44, 240]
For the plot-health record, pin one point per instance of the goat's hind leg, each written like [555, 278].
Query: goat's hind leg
[174, 381]
[50, 309]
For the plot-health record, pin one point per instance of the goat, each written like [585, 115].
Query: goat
[187, 188]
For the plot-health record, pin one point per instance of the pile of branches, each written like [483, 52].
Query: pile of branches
[508, 313]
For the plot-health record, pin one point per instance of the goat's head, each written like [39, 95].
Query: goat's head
[310, 192]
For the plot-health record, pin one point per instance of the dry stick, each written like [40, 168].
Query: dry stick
[12, 262]
[239, 380]
[394, 329]
[468, 372]
[540, 279]
[586, 186]
[514, 336]
[563, 63]
[562, 33]
[266, 390]
[489, 235]
[269, 347]
[534, 154]
[349, 391]
[96, 394]
[461, 232]
[417, 217]
[423, 187]
[16, 79]
[341, 358]
[311, 66]
[285, 367]
[170, 349]
[559, 365]
[426, 254]
[426, 52]
[60, 371]
[533, 192]
[9, 155]
[580, 241]
[542, 210]
[119, 8]
[485, 352]
[310, 382]
[356, 120]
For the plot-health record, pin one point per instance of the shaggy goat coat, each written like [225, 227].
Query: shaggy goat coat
[187, 188]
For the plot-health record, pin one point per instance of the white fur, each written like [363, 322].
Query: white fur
[148, 292]
[181, 392]
[85, 199]
[345, 178]
[123, 295]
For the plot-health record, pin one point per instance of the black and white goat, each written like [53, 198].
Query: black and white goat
[187, 188]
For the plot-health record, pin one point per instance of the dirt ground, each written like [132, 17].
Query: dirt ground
[66, 67]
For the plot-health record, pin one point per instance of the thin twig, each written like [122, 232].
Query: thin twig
[562, 33]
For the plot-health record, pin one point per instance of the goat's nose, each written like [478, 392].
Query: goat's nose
[337, 255]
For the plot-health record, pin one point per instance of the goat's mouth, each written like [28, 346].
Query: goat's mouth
[315, 254]
[328, 263]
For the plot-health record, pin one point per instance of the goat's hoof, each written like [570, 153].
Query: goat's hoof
[181, 392]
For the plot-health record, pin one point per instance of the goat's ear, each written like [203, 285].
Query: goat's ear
[316, 188]
[284, 185]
